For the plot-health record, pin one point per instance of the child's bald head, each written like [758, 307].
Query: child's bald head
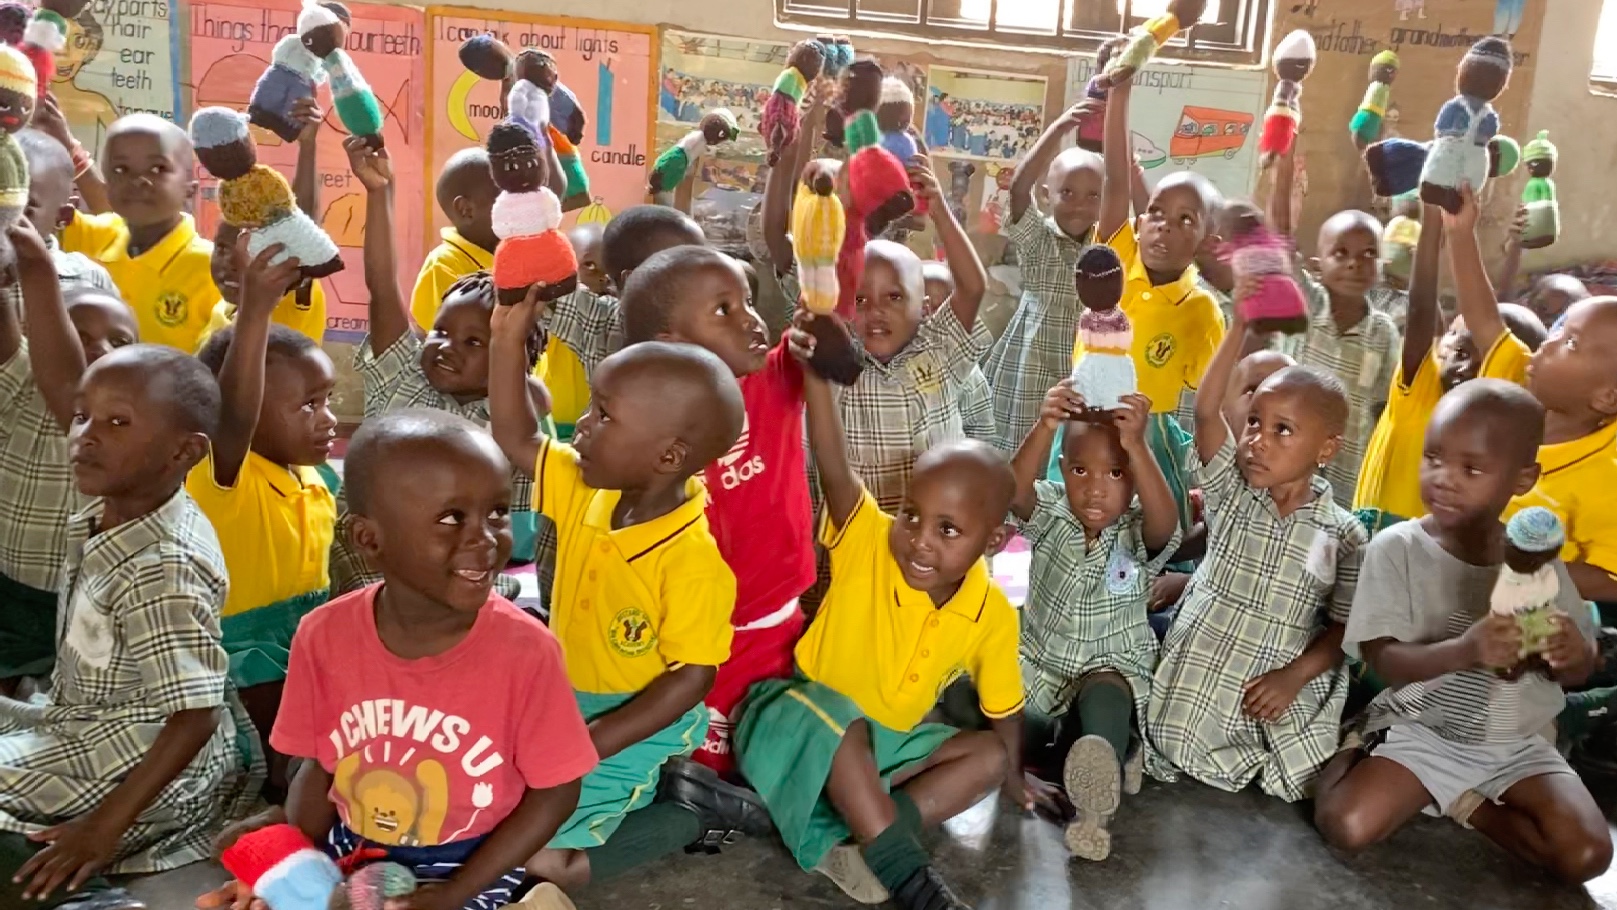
[953, 515]
[1250, 373]
[1482, 443]
[50, 181]
[465, 193]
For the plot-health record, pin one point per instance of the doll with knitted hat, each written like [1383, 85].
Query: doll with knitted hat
[1528, 586]
[1459, 151]
[255, 197]
[1365, 127]
[895, 116]
[1543, 212]
[527, 219]
[18, 92]
[819, 229]
[45, 36]
[291, 76]
[489, 58]
[1106, 371]
[1504, 156]
[878, 182]
[1262, 259]
[565, 112]
[1145, 40]
[781, 117]
[674, 164]
[323, 33]
[280, 866]
[1092, 128]
[14, 18]
[1294, 60]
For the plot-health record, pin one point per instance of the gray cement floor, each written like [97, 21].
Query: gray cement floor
[1180, 847]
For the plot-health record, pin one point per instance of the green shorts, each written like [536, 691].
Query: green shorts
[259, 641]
[27, 630]
[788, 733]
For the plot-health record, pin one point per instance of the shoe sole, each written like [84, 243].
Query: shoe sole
[1087, 838]
[545, 896]
[1094, 785]
[1134, 770]
[845, 867]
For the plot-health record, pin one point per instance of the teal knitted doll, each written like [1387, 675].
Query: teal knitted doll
[673, 165]
[323, 33]
[1543, 212]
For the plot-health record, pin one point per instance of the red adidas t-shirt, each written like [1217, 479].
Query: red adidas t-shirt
[758, 498]
[435, 750]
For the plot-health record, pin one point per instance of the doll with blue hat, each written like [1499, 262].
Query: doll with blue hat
[1528, 584]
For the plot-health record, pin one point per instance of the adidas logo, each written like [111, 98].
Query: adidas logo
[737, 471]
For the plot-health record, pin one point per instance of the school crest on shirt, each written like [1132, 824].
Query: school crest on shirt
[172, 309]
[631, 634]
[1159, 350]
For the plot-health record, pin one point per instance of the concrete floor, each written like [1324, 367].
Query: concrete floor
[1180, 847]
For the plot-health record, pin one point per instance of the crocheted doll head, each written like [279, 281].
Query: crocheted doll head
[1384, 67]
[19, 89]
[13, 20]
[321, 29]
[807, 57]
[1533, 537]
[1099, 278]
[513, 158]
[1485, 69]
[379, 886]
[896, 112]
[838, 54]
[1395, 165]
[537, 67]
[282, 867]
[1188, 12]
[487, 56]
[1294, 56]
[1504, 154]
[719, 125]
[1540, 155]
[223, 145]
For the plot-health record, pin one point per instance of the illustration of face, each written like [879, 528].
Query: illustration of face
[82, 46]
[389, 804]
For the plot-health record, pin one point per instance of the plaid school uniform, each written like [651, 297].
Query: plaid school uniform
[1264, 592]
[1384, 298]
[1364, 357]
[1086, 603]
[139, 641]
[976, 403]
[1035, 350]
[590, 324]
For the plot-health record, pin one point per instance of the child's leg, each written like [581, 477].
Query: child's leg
[959, 774]
[1095, 740]
[1551, 821]
[1362, 800]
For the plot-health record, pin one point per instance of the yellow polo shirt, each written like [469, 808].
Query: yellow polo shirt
[1177, 326]
[1507, 359]
[448, 262]
[885, 645]
[563, 374]
[310, 321]
[1576, 483]
[631, 604]
[1389, 479]
[275, 528]
[169, 286]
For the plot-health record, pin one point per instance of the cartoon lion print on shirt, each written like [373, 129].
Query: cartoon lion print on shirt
[389, 808]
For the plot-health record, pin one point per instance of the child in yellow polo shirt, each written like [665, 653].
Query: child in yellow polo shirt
[1176, 322]
[261, 486]
[643, 597]
[465, 193]
[839, 750]
[147, 242]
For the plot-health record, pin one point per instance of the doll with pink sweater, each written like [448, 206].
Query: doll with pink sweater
[1265, 260]
[1106, 371]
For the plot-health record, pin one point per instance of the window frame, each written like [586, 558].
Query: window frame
[1603, 74]
[1240, 41]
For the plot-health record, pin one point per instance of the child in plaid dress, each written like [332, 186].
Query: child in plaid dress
[1251, 685]
[976, 401]
[1087, 650]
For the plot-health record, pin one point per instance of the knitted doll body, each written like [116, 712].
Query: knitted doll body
[674, 164]
[528, 106]
[1278, 305]
[1365, 127]
[1398, 241]
[42, 40]
[353, 99]
[540, 68]
[292, 75]
[878, 183]
[1145, 40]
[1543, 212]
[1106, 371]
[18, 90]
[818, 227]
[1458, 154]
[282, 867]
[572, 168]
[1092, 129]
[1294, 60]
[526, 217]
[781, 119]
[1504, 155]
[1528, 585]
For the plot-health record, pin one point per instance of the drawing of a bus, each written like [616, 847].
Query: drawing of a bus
[1207, 131]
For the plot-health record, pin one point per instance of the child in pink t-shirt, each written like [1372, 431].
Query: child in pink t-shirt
[436, 719]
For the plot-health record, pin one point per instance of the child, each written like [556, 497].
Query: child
[1552, 295]
[52, 207]
[148, 243]
[842, 750]
[976, 401]
[465, 194]
[432, 656]
[1250, 685]
[1176, 323]
[1033, 353]
[1346, 336]
[1459, 733]
[1087, 650]
[586, 241]
[130, 764]
[260, 485]
[643, 597]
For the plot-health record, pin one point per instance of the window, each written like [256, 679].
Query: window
[1605, 68]
[1231, 31]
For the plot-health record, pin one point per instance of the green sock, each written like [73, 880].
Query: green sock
[909, 815]
[1104, 710]
[894, 856]
[646, 834]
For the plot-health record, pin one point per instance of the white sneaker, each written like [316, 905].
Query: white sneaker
[845, 867]
[1094, 783]
[544, 897]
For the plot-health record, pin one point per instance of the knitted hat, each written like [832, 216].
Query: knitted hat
[838, 54]
[222, 142]
[1535, 530]
[282, 867]
[1395, 165]
[1098, 277]
[17, 72]
[314, 16]
[1503, 156]
[1385, 58]
[487, 56]
[1297, 45]
[1490, 51]
[896, 109]
[1540, 148]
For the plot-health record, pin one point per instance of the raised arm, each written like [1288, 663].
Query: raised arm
[781, 184]
[970, 278]
[1510, 264]
[512, 407]
[1477, 302]
[1033, 456]
[87, 178]
[1157, 503]
[1420, 328]
[55, 355]
[305, 180]
[241, 378]
[388, 318]
[1036, 164]
[1279, 208]
[1116, 193]
[827, 442]
[1211, 430]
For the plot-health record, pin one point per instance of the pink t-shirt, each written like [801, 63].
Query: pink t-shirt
[758, 498]
[434, 750]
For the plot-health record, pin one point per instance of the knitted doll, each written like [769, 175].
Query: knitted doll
[1365, 126]
[1395, 166]
[1459, 150]
[1294, 60]
[838, 57]
[292, 75]
[895, 116]
[46, 36]
[526, 217]
[379, 886]
[1543, 213]
[18, 92]
[1092, 129]
[1528, 584]
[1255, 251]
[487, 56]
[283, 868]
[565, 112]
[323, 33]
[1398, 241]
[1145, 40]
[528, 105]
[781, 119]
[1106, 371]
[14, 18]
[672, 166]
[818, 232]
[878, 184]
[256, 197]
[1504, 156]
[577, 193]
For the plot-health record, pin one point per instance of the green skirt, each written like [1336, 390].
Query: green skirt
[628, 780]
[789, 731]
[259, 641]
[27, 630]
[1375, 520]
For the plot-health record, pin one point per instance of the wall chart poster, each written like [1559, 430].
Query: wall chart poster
[608, 65]
[986, 115]
[231, 43]
[122, 56]
[703, 72]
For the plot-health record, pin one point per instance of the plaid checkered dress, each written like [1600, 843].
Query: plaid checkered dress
[1085, 609]
[590, 324]
[1035, 350]
[1264, 592]
[138, 640]
[1364, 357]
[1395, 303]
[38, 494]
[976, 395]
